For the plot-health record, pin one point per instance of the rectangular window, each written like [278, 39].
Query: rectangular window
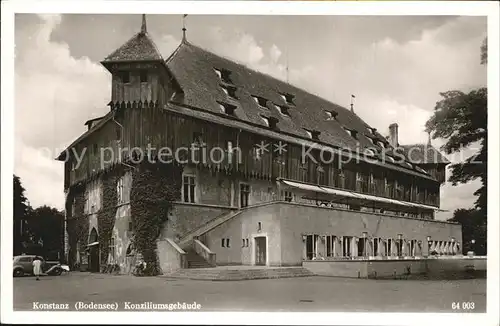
[130, 226]
[188, 189]
[320, 175]
[112, 253]
[375, 246]
[399, 247]
[144, 76]
[244, 194]
[257, 153]
[411, 247]
[227, 243]
[223, 242]
[330, 245]
[346, 246]
[119, 191]
[389, 247]
[362, 182]
[303, 172]
[124, 76]
[288, 196]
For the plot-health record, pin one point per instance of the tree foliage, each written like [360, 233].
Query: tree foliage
[473, 227]
[484, 52]
[21, 210]
[461, 119]
[46, 228]
[21, 206]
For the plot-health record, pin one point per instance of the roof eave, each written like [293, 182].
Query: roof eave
[256, 127]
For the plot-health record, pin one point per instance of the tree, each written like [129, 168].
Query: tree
[46, 228]
[473, 227]
[21, 209]
[461, 119]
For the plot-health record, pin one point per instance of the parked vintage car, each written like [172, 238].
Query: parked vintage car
[24, 265]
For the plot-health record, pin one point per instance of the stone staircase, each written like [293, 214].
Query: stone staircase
[210, 225]
[239, 274]
[194, 260]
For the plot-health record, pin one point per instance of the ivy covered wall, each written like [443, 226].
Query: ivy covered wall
[106, 215]
[154, 187]
[77, 221]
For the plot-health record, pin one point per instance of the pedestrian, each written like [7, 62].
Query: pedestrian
[37, 267]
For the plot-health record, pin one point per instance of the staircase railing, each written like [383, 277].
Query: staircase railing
[204, 252]
[186, 238]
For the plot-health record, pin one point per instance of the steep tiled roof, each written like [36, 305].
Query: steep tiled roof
[139, 47]
[424, 154]
[196, 71]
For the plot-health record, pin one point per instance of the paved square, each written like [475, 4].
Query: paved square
[292, 294]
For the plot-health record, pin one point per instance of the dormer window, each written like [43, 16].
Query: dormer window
[271, 122]
[408, 165]
[288, 98]
[229, 91]
[351, 132]
[124, 76]
[227, 108]
[381, 144]
[331, 115]
[313, 134]
[390, 159]
[370, 139]
[261, 101]
[371, 130]
[283, 109]
[224, 75]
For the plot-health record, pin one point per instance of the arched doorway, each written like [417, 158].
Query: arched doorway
[93, 247]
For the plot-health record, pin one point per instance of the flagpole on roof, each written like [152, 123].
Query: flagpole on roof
[144, 29]
[184, 28]
[352, 103]
[287, 64]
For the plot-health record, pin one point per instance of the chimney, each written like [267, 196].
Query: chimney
[393, 135]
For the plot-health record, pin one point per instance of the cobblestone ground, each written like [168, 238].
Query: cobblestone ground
[293, 294]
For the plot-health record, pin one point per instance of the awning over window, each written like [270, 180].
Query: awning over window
[350, 194]
[303, 186]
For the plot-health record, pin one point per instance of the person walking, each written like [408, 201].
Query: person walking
[37, 267]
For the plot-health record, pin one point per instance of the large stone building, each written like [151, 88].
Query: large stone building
[294, 177]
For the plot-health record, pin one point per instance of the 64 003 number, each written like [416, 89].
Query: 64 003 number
[462, 305]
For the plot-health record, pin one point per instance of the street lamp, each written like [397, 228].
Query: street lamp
[473, 246]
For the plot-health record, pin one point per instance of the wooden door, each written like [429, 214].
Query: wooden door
[260, 251]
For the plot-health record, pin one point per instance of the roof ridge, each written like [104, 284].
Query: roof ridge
[169, 58]
[153, 43]
[267, 75]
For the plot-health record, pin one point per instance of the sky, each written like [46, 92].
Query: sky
[396, 66]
